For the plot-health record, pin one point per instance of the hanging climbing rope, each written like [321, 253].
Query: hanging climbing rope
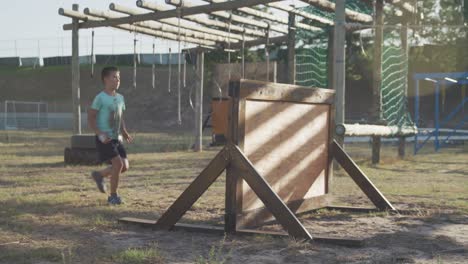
[153, 69]
[179, 114]
[92, 54]
[267, 53]
[229, 51]
[134, 60]
[170, 70]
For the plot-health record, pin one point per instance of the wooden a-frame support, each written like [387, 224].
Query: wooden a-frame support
[232, 156]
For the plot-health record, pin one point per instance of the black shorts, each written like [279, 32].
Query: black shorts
[110, 150]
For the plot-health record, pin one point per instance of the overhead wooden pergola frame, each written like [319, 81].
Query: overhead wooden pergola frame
[179, 20]
[236, 33]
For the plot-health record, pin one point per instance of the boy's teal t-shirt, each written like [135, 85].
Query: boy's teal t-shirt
[109, 116]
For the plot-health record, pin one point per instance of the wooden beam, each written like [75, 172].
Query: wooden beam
[231, 5]
[194, 191]
[203, 21]
[267, 16]
[376, 109]
[141, 30]
[339, 64]
[187, 28]
[154, 25]
[360, 178]
[342, 241]
[376, 145]
[233, 179]
[405, 6]
[361, 130]
[404, 44]
[239, 19]
[330, 7]
[75, 66]
[260, 41]
[290, 9]
[266, 91]
[271, 200]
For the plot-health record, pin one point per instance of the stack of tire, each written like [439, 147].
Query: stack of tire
[82, 151]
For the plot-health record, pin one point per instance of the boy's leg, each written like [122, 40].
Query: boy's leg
[117, 166]
[126, 165]
[106, 172]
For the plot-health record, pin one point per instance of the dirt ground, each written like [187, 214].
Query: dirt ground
[52, 213]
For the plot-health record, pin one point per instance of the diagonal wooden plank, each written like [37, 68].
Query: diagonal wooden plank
[194, 191]
[263, 190]
[360, 178]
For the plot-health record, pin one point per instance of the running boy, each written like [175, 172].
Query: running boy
[105, 119]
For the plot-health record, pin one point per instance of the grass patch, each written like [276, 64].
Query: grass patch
[140, 256]
[30, 255]
[54, 207]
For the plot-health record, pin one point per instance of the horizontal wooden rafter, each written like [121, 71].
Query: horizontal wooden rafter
[270, 17]
[201, 9]
[133, 28]
[330, 7]
[186, 24]
[154, 25]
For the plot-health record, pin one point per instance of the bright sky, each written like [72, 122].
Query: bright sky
[34, 28]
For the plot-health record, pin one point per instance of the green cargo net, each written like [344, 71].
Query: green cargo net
[394, 82]
[312, 58]
[312, 48]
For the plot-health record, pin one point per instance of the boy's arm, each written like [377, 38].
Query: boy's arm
[92, 114]
[125, 133]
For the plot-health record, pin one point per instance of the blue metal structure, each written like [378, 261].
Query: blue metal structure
[452, 78]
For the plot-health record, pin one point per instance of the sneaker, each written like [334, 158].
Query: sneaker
[99, 181]
[114, 200]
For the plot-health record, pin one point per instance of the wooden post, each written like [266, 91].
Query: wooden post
[199, 103]
[376, 143]
[291, 48]
[404, 44]
[377, 78]
[232, 175]
[75, 67]
[339, 57]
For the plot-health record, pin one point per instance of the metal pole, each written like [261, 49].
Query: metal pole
[199, 103]
[339, 64]
[76, 76]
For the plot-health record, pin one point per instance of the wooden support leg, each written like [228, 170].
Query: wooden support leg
[376, 143]
[401, 147]
[271, 200]
[194, 191]
[360, 178]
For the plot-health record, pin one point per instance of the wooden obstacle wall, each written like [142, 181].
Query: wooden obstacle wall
[285, 131]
